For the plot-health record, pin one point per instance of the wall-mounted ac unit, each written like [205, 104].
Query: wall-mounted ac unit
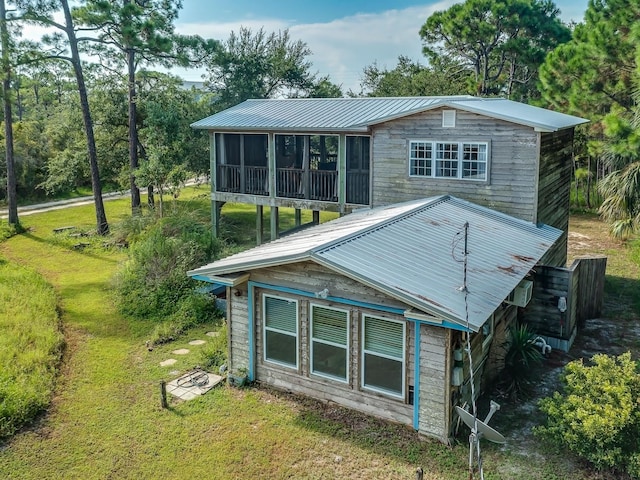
[521, 295]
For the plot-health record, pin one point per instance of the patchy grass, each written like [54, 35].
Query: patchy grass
[106, 422]
[30, 346]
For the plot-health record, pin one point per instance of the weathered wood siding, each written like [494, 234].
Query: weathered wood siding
[237, 320]
[512, 168]
[435, 378]
[554, 184]
[434, 408]
[582, 285]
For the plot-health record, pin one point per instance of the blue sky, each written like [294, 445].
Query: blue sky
[344, 35]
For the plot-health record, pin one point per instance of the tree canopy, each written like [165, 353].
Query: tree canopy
[501, 42]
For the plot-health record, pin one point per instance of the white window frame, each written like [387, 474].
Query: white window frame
[400, 395]
[271, 329]
[490, 327]
[312, 340]
[429, 163]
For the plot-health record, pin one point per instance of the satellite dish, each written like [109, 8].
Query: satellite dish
[484, 430]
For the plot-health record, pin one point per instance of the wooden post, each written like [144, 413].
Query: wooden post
[163, 394]
[316, 217]
[259, 225]
[298, 217]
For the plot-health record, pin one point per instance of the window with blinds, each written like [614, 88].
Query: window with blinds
[383, 355]
[280, 330]
[329, 342]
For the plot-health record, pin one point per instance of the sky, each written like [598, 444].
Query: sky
[344, 36]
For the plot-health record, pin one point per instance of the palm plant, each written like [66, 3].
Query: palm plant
[521, 361]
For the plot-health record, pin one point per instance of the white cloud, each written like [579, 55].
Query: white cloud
[343, 47]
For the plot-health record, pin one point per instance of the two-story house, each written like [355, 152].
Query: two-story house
[455, 200]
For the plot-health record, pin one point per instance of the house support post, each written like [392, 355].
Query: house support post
[259, 224]
[275, 223]
[342, 173]
[316, 217]
[298, 217]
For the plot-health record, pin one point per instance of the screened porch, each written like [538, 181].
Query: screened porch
[306, 166]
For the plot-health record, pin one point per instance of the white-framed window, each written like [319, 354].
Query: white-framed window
[457, 160]
[383, 355]
[330, 342]
[487, 332]
[280, 330]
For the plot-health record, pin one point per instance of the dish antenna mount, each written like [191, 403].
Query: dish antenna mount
[479, 430]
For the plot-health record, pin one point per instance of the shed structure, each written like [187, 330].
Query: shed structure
[367, 310]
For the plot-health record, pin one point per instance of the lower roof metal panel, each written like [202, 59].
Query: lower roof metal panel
[414, 252]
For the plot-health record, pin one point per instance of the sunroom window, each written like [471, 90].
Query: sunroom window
[329, 342]
[457, 160]
[281, 330]
[383, 355]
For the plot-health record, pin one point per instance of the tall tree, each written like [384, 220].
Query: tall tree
[41, 12]
[596, 76]
[259, 65]
[441, 77]
[502, 42]
[134, 33]
[5, 45]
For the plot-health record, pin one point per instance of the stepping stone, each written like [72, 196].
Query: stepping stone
[213, 334]
[180, 351]
[168, 362]
[186, 390]
[197, 342]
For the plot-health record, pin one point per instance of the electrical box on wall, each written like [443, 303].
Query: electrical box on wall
[521, 295]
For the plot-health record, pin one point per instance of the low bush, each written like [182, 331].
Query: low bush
[597, 416]
[214, 353]
[30, 346]
[521, 361]
[153, 283]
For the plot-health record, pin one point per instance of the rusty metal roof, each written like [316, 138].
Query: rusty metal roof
[413, 252]
[359, 114]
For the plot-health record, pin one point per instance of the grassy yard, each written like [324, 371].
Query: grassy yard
[106, 422]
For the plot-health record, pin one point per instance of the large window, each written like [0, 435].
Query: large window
[280, 330]
[383, 355]
[459, 160]
[329, 342]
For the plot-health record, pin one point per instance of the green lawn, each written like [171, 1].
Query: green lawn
[106, 422]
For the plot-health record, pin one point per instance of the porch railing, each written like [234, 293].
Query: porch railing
[321, 185]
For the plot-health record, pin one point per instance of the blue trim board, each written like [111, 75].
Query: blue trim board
[416, 378]
[250, 333]
[345, 301]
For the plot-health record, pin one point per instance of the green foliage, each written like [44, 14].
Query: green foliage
[521, 361]
[501, 42]
[153, 282]
[214, 353]
[597, 416]
[258, 65]
[441, 77]
[30, 346]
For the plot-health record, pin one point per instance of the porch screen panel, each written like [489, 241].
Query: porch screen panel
[383, 355]
[281, 330]
[329, 337]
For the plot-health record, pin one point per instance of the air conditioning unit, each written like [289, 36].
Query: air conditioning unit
[521, 295]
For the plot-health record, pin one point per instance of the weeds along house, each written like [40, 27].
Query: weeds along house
[370, 310]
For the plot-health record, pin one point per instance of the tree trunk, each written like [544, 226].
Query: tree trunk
[151, 201]
[96, 186]
[12, 195]
[133, 132]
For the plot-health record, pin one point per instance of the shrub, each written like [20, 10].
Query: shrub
[214, 353]
[521, 361]
[598, 414]
[153, 282]
[30, 346]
